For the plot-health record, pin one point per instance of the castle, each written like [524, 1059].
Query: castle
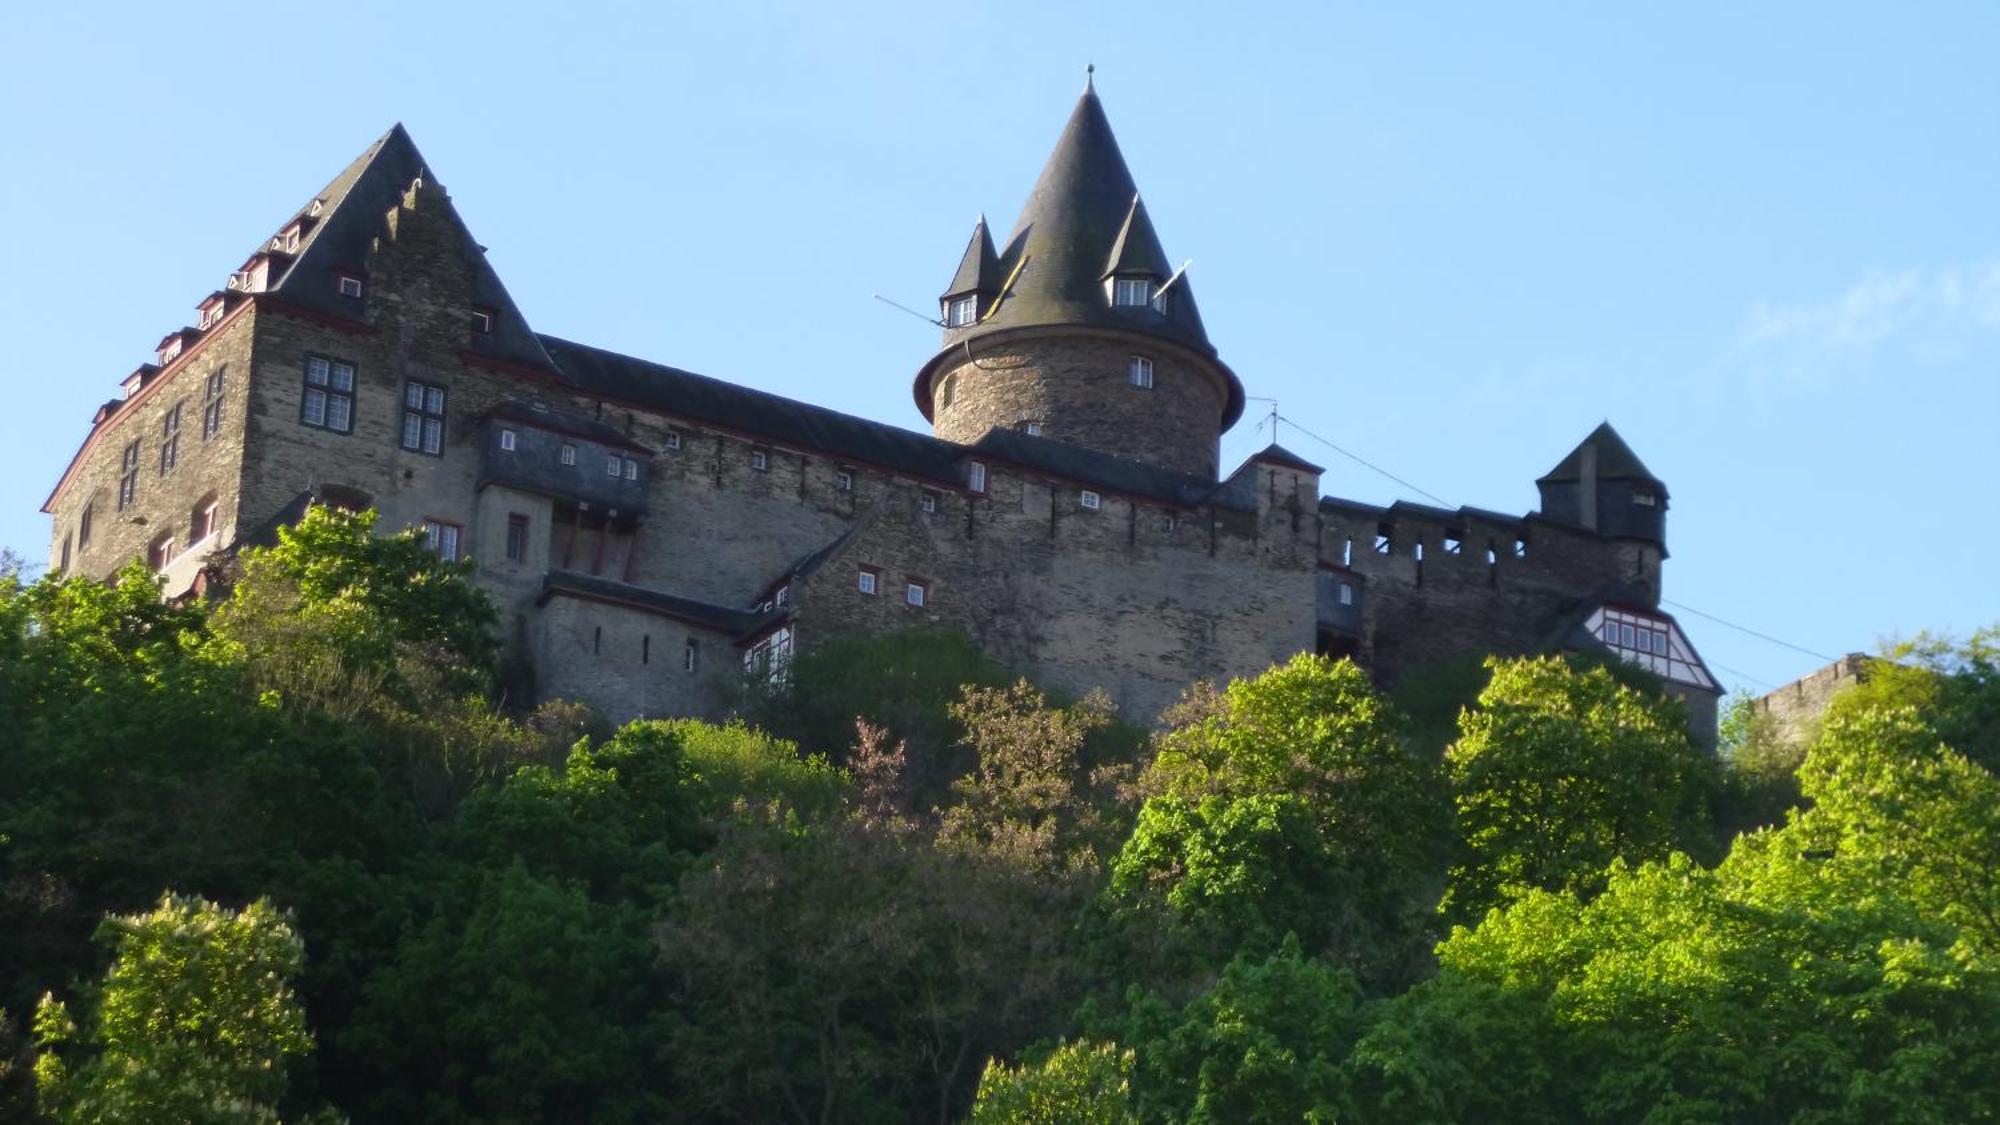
[650, 534]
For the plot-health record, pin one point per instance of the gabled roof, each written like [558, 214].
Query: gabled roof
[979, 270]
[1615, 460]
[1137, 250]
[737, 623]
[352, 213]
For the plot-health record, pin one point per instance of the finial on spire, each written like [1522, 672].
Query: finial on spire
[1089, 79]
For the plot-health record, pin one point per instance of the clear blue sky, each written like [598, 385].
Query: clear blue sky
[1765, 244]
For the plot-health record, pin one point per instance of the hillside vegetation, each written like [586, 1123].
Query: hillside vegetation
[292, 857]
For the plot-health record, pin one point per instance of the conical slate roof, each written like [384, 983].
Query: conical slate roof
[1082, 216]
[351, 214]
[978, 271]
[1615, 460]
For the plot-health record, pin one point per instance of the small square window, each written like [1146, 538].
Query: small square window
[350, 285]
[760, 460]
[613, 465]
[976, 477]
[865, 581]
[568, 454]
[1132, 292]
[507, 440]
[1090, 500]
[961, 311]
[673, 439]
[1034, 429]
[916, 594]
[482, 322]
[631, 469]
[928, 503]
[843, 481]
[1140, 372]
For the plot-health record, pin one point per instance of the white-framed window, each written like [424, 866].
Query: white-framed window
[1140, 372]
[673, 439]
[507, 440]
[482, 321]
[1132, 292]
[1034, 429]
[1645, 499]
[928, 502]
[328, 402]
[631, 468]
[423, 418]
[289, 241]
[160, 553]
[613, 465]
[203, 524]
[760, 460]
[170, 349]
[568, 454]
[784, 597]
[442, 538]
[843, 481]
[1090, 500]
[349, 285]
[916, 593]
[976, 476]
[961, 311]
[768, 657]
[1347, 593]
[867, 580]
[211, 314]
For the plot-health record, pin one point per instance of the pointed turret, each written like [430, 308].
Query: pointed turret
[1602, 485]
[1075, 298]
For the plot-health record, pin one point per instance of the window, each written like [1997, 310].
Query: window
[568, 454]
[517, 537]
[1132, 292]
[329, 398]
[1140, 372]
[784, 596]
[1171, 523]
[170, 439]
[843, 481]
[63, 566]
[1347, 593]
[211, 315]
[1034, 429]
[596, 639]
[442, 538]
[203, 524]
[1090, 500]
[673, 439]
[613, 465]
[928, 503]
[646, 649]
[160, 553]
[690, 656]
[423, 418]
[916, 593]
[1645, 499]
[482, 321]
[631, 469]
[947, 391]
[867, 581]
[83, 527]
[128, 476]
[976, 477]
[348, 285]
[211, 408]
[289, 241]
[769, 656]
[961, 311]
[760, 460]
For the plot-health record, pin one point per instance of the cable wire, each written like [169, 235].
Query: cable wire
[1749, 631]
[1372, 467]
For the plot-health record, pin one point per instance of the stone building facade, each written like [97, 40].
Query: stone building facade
[650, 534]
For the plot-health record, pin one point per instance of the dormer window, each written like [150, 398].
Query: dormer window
[289, 240]
[961, 311]
[349, 285]
[976, 477]
[169, 348]
[211, 315]
[482, 322]
[1132, 292]
[1645, 499]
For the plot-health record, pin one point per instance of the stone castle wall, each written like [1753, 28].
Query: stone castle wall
[1079, 387]
[1796, 708]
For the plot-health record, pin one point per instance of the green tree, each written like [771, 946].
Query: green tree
[1954, 684]
[1560, 771]
[196, 1020]
[1287, 804]
[1079, 1083]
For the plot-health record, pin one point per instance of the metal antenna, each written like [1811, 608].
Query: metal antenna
[1169, 283]
[908, 309]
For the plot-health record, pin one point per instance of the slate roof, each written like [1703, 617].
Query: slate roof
[1276, 454]
[1615, 460]
[1134, 478]
[353, 211]
[979, 270]
[567, 422]
[722, 619]
[1083, 218]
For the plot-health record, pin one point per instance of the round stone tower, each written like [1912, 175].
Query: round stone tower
[1078, 330]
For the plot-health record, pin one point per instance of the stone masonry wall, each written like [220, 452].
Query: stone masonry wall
[1795, 709]
[1079, 388]
[164, 503]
